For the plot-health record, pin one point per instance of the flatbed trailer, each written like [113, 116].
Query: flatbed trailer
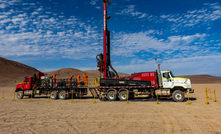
[62, 89]
[96, 86]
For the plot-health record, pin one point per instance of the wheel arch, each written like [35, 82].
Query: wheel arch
[112, 89]
[18, 89]
[178, 88]
[123, 89]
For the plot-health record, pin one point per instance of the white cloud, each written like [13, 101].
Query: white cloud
[129, 44]
[127, 11]
[143, 15]
[57, 37]
[5, 21]
[39, 9]
[130, 10]
[43, 36]
[3, 5]
[43, 16]
[135, 13]
[14, 20]
[61, 33]
[179, 66]
[204, 15]
[3, 16]
[34, 13]
[7, 3]
[93, 2]
[98, 7]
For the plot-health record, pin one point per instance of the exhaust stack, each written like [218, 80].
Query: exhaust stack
[160, 77]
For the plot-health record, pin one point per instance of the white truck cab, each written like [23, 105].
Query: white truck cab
[170, 81]
[173, 86]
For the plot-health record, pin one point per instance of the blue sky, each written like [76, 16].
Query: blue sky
[184, 35]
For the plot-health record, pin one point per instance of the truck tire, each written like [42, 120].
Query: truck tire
[111, 96]
[62, 95]
[178, 96]
[20, 94]
[123, 95]
[53, 95]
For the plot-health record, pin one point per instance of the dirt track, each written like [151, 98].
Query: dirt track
[83, 116]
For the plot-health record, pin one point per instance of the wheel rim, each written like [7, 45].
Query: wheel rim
[111, 96]
[19, 94]
[53, 95]
[123, 96]
[62, 95]
[178, 96]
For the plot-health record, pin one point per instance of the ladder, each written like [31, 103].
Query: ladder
[92, 92]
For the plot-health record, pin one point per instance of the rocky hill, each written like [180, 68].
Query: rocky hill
[200, 79]
[67, 72]
[12, 72]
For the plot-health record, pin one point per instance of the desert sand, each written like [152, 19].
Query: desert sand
[83, 116]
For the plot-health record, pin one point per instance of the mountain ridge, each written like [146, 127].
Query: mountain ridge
[12, 72]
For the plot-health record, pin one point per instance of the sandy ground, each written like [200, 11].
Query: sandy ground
[83, 116]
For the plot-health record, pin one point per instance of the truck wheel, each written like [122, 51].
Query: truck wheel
[123, 95]
[62, 95]
[111, 96]
[20, 94]
[53, 95]
[178, 96]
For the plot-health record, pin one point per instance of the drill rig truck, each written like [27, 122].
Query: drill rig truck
[110, 87]
[158, 82]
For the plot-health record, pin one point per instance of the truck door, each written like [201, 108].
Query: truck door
[27, 84]
[167, 80]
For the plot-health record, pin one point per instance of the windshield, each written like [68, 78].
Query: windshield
[171, 74]
[26, 80]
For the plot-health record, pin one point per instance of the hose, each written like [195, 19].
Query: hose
[114, 71]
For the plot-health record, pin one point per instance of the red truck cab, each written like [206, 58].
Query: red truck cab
[26, 85]
[29, 82]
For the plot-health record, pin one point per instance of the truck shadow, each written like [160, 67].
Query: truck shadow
[136, 99]
[148, 99]
[160, 99]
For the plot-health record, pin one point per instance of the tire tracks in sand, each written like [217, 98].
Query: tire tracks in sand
[171, 124]
[207, 120]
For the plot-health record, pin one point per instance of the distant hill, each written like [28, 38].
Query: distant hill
[12, 72]
[64, 73]
[199, 79]
[67, 72]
